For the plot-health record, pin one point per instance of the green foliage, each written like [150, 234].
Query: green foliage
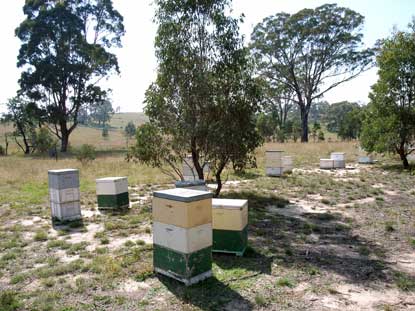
[389, 122]
[321, 136]
[101, 112]
[86, 153]
[130, 130]
[65, 50]
[336, 113]
[2, 151]
[351, 124]
[9, 301]
[303, 50]
[43, 140]
[204, 100]
[266, 126]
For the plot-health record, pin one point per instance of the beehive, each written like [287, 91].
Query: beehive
[365, 160]
[112, 193]
[339, 159]
[182, 234]
[64, 194]
[189, 171]
[287, 164]
[230, 226]
[193, 184]
[273, 163]
[326, 164]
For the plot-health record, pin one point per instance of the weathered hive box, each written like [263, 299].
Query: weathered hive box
[273, 163]
[182, 234]
[192, 184]
[326, 164]
[230, 226]
[64, 194]
[189, 171]
[287, 164]
[339, 159]
[365, 160]
[112, 193]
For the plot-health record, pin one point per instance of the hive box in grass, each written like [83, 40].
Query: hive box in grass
[365, 160]
[64, 194]
[287, 164]
[182, 234]
[339, 159]
[273, 163]
[326, 164]
[192, 184]
[112, 193]
[230, 226]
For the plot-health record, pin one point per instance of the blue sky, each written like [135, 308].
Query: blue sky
[138, 64]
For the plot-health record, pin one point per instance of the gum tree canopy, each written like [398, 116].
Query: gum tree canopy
[310, 52]
[389, 123]
[64, 54]
[204, 99]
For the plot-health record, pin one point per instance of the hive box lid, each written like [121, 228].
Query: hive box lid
[274, 151]
[326, 160]
[338, 153]
[189, 183]
[110, 179]
[63, 171]
[183, 195]
[228, 203]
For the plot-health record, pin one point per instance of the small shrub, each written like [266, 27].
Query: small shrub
[285, 282]
[321, 136]
[2, 151]
[9, 301]
[86, 154]
[260, 300]
[44, 140]
[40, 235]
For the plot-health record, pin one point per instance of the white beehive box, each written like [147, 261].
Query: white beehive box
[64, 194]
[339, 159]
[287, 164]
[273, 163]
[189, 171]
[326, 164]
[365, 160]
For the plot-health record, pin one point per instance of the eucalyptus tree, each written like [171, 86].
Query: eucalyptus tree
[66, 50]
[389, 122]
[204, 99]
[310, 52]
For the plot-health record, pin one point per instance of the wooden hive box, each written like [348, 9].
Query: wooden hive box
[230, 226]
[326, 164]
[64, 194]
[339, 159]
[287, 164]
[112, 193]
[182, 234]
[273, 163]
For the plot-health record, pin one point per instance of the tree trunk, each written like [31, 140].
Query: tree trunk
[195, 158]
[404, 159]
[219, 184]
[64, 136]
[304, 125]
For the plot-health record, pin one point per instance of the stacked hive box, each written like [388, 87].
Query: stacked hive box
[182, 234]
[194, 185]
[112, 193]
[326, 164]
[287, 164]
[273, 163]
[64, 194]
[339, 159]
[189, 171]
[230, 226]
[365, 159]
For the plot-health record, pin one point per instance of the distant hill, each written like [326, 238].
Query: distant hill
[120, 120]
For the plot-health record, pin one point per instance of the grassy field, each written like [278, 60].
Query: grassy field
[318, 240]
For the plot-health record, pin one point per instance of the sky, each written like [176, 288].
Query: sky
[138, 64]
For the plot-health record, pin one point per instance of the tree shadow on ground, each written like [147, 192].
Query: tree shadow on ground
[73, 226]
[322, 241]
[210, 294]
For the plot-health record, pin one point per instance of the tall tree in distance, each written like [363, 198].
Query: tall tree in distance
[389, 123]
[65, 52]
[310, 52]
[204, 99]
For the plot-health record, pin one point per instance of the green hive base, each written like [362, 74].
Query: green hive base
[229, 241]
[187, 268]
[116, 201]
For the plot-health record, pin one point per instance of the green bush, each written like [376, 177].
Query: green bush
[86, 154]
[9, 301]
[321, 136]
[2, 151]
[44, 140]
